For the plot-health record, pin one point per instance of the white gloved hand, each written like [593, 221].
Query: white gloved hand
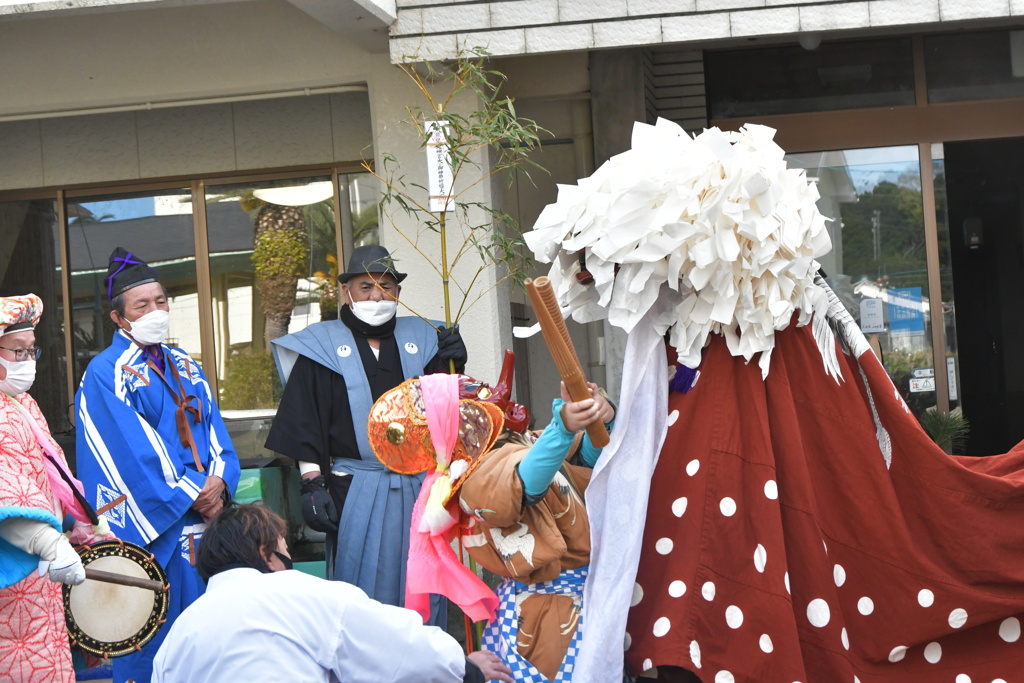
[66, 567]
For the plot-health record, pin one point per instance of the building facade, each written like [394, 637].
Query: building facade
[183, 128]
[908, 113]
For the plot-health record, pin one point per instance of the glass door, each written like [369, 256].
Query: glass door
[157, 227]
[879, 260]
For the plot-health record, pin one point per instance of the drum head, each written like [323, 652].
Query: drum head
[109, 619]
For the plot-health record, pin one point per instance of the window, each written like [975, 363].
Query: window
[30, 262]
[789, 79]
[878, 263]
[155, 226]
[974, 66]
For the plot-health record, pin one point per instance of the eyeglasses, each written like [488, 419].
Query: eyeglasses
[24, 354]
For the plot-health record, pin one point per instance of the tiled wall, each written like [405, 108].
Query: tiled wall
[186, 140]
[437, 29]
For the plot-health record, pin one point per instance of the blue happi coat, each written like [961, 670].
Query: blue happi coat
[130, 457]
[373, 537]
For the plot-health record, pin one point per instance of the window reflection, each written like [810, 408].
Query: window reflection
[360, 211]
[789, 79]
[30, 262]
[273, 264]
[158, 228]
[878, 264]
[974, 66]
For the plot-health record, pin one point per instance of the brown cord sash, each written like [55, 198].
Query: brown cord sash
[542, 296]
[184, 403]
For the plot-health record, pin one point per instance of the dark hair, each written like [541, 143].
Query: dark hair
[117, 304]
[236, 538]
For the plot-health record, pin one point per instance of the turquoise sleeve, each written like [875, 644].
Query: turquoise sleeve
[546, 455]
[539, 466]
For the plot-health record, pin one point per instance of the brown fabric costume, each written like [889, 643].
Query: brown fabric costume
[531, 543]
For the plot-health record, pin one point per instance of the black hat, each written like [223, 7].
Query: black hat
[370, 258]
[126, 270]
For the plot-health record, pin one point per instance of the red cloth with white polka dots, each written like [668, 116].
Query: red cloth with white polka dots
[779, 548]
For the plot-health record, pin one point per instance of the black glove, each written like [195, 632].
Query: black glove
[451, 347]
[318, 508]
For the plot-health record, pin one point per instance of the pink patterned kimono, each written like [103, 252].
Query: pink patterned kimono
[33, 636]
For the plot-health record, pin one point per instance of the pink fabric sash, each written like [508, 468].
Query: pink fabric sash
[57, 484]
[432, 565]
[441, 404]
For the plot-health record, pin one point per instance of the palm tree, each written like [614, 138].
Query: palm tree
[280, 257]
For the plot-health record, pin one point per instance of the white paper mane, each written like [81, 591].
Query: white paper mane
[712, 232]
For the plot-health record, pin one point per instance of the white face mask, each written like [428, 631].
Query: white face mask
[151, 328]
[20, 376]
[373, 312]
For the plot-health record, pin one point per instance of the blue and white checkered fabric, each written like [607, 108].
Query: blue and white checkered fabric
[501, 635]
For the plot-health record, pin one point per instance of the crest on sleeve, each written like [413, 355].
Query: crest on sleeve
[135, 376]
[105, 496]
[187, 368]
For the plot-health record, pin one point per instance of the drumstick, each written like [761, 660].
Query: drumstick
[560, 344]
[124, 580]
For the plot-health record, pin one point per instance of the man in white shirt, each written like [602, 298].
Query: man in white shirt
[258, 621]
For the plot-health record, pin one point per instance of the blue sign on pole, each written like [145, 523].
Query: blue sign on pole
[906, 311]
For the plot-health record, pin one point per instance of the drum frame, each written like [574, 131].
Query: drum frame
[148, 563]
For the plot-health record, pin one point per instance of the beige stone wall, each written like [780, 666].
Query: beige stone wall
[185, 141]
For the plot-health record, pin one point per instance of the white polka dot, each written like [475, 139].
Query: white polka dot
[897, 653]
[786, 580]
[664, 546]
[845, 637]
[933, 652]
[724, 677]
[825, 546]
[964, 678]
[728, 506]
[733, 616]
[628, 641]
[677, 589]
[1009, 630]
[766, 643]
[771, 489]
[672, 417]
[679, 506]
[998, 680]
[760, 558]
[839, 575]
[925, 598]
[865, 605]
[695, 653]
[856, 680]
[708, 591]
[646, 666]
[958, 617]
[661, 627]
[638, 595]
[692, 467]
[818, 613]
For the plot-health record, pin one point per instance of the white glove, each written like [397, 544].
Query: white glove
[67, 566]
[51, 546]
